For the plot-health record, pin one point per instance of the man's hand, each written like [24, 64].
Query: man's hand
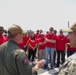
[39, 64]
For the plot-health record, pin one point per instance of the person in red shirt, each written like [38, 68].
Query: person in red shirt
[60, 47]
[41, 47]
[37, 34]
[32, 44]
[23, 45]
[25, 42]
[50, 46]
[2, 37]
[55, 53]
[41, 31]
[70, 50]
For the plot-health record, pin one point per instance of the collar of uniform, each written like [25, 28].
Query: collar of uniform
[12, 41]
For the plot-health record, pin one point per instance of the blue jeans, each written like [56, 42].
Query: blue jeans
[50, 52]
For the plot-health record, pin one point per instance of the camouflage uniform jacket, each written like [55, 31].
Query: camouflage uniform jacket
[69, 67]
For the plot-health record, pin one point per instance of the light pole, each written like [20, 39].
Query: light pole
[68, 24]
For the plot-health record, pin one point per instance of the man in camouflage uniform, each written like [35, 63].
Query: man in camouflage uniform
[13, 60]
[69, 67]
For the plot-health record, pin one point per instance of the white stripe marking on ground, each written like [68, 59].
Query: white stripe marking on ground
[48, 72]
[45, 73]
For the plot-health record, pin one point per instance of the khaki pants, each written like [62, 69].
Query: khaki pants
[41, 54]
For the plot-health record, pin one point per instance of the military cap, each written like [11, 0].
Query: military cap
[14, 29]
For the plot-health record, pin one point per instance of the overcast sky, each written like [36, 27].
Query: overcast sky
[38, 14]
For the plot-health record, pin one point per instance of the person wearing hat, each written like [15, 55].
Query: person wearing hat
[69, 67]
[13, 60]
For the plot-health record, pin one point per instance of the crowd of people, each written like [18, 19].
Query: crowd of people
[50, 46]
[13, 60]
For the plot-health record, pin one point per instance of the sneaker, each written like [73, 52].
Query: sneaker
[52, 67]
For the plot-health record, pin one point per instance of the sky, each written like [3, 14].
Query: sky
[38, 14]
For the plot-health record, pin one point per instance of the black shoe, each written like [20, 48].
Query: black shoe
[45, 66]
[52, 67]
[57, 65]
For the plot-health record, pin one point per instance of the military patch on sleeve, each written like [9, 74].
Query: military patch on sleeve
[25, 61]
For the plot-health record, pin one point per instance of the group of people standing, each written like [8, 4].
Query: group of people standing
[50, 46]
[13, 60]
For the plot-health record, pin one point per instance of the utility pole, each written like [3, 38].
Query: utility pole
[68, 24]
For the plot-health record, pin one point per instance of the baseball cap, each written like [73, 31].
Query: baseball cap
[14, 29]
[71, 29]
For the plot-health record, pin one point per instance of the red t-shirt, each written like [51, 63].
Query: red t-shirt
[24, 42]
[37, 35]
[71, 48]
[32, 43]
[41, 47]
[60, 42]
[7, 38]
[2, 39]
[21, 45]
[50, 37]
[68, 45]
